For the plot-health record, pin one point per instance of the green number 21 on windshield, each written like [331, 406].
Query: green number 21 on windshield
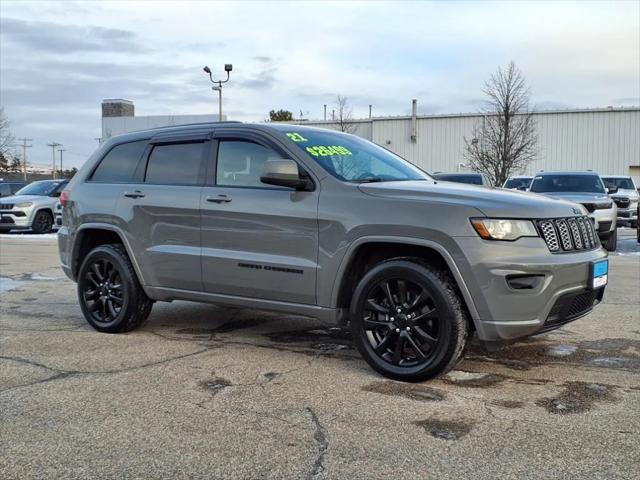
[296, 137]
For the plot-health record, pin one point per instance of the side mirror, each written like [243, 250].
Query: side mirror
[284, 173]
[611, 190]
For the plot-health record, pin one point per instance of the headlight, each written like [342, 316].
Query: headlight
[24, 204]
[501, 229]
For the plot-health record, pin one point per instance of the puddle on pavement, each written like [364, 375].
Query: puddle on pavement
[215, 385]
[615, 353]
[472, 379]
[578, 397]
[411, 391]
[9, 284]
[323, 339]
[445, 429]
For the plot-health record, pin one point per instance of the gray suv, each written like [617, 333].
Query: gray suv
[322, 224]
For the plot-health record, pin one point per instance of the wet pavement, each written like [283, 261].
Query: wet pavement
[207, 392]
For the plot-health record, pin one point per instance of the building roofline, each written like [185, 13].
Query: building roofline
[472, 114]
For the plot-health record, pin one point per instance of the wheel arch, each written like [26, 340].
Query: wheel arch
[367, 251]
[90, 235]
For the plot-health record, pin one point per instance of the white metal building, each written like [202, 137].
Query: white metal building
[604, 140]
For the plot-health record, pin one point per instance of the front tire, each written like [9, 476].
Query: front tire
[611, 243]
[109, 293]
[408, 321]
[42, 222]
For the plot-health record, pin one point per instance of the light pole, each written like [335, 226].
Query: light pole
[53, 146]
[227, 68]
[61, 169]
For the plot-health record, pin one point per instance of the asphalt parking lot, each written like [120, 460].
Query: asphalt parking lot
[206, 392]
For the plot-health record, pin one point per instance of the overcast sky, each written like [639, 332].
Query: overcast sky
[58, 60]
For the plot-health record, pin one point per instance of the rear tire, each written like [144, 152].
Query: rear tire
[42, 222]
[408, 320]
[612, 242]
[109, 292]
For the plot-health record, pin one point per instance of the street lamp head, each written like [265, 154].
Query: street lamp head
[207, 70]
[228, 67]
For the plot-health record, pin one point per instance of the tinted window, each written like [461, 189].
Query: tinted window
[5, 190]
[351, 158]
[567, 183]
[620, 182]
[520, 183]
[240, 163]
[175, 164]
[471, 178]
[120, 163]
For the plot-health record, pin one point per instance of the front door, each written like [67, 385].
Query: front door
[258, 240]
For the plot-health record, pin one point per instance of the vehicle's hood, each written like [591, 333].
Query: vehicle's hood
[628, 193]
[580, 197]
[496, 202]
[26, 198]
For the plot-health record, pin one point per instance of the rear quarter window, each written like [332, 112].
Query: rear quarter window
[119, 164]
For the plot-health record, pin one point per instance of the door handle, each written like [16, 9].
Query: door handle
[218, 199]
[134, 194]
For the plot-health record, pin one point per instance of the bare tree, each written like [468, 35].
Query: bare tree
[505, 140]
[343, 115]
[6, 139]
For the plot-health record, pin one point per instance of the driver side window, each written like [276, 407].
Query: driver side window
[240, 163]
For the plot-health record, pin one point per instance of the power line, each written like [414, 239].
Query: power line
[24, 155]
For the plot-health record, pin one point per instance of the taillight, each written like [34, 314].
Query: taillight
[64, 197]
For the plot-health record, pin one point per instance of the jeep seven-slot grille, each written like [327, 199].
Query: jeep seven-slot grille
[568, 234]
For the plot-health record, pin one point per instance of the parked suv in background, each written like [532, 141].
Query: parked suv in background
[470, 178]
[518, 182]
[587, 189]
[626, 197]
[31, 207]
[319, 223]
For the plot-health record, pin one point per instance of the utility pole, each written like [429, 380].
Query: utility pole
[61, 169]
[370, 111]
[325, 112]
[24, 155]
[53, 146]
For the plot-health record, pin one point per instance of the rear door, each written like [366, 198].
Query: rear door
[258, 240]
[162, 212]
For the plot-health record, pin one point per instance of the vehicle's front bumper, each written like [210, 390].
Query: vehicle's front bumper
[604, 221]
[506, 313]
[628, 216]
[16, 218]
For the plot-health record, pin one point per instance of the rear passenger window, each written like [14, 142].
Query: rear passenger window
[175, 164]
[119, 165]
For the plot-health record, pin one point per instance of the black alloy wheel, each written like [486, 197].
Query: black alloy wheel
[103, 291]
[408, 320]
[111, 297]
[42, 223]
[401, 322]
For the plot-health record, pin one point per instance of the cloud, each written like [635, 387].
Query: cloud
[42, 36]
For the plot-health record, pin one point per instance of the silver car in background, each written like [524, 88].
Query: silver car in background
[32, 207]
[587, 189]
[625, 194]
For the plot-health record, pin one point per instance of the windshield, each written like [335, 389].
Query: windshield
[353, 159]
[567, 183]
[473, 179]
[43, 188]
[620, 182]
[520, 183]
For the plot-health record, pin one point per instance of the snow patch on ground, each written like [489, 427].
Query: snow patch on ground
[460, 376]
[562, 350]
[8, 284]
[29, 236]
